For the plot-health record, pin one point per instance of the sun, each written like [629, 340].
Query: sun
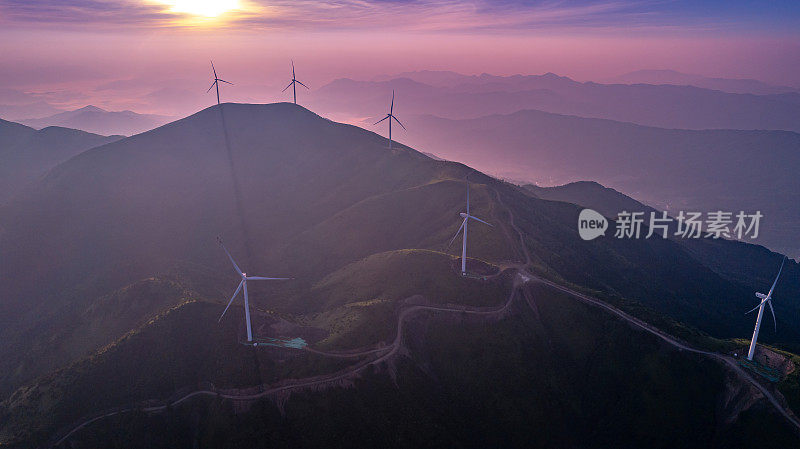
[204, 8]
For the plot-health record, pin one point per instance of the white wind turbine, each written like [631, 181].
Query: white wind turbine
[765, 300]
[466, 217]
[294, 84]
[216, 82]
[243, 285]
[390, 116]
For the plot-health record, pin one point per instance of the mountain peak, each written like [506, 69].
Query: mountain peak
[90, 108]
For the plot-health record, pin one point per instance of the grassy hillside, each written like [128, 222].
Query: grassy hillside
[527, 380]
[126, 232]
[358, 304]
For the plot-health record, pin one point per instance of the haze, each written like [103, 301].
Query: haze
[152, 56]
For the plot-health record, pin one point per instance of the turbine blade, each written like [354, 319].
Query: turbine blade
[773, 315]
[212, 86]
[292, 68]
[754, 308]
[238, 270]
[298, 82]
[476, 218]
[467, 198]
[769, 295]
[457, 232]
[398, 122]
[391, 108]
[380, 120]
[231, 301]
[290, 85]
[226, 82]
[261, 278]
[215, 70]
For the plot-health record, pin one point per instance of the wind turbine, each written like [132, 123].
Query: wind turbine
[243, 285]
[216, 81]
[390, 116]
[466, 217]
[294, 84]
[765, 300]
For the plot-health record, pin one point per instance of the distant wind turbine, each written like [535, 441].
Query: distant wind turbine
[243, 285]
[390, 116]
[294, 84]
[466, 217]
[216, 82]
[765, 300]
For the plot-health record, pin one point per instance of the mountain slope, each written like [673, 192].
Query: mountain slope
[297, 196]
[26, 154]
[507, 381]
[123, 231]
[590, 194]
[96, 120]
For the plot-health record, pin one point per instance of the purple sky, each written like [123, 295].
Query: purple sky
[152, 56]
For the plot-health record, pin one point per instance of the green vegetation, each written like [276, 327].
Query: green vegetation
[567, 377]
[359, 303]
[176, 350]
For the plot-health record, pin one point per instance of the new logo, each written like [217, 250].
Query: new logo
[591, 224]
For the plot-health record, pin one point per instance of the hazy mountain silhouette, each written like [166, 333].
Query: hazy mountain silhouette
[668, 168]
[26, 154]
[732, 85]
[99, 121]
[111, 236]
[27, 110]
[667, 106]
[608, 202]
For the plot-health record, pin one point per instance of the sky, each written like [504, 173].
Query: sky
[153, 55]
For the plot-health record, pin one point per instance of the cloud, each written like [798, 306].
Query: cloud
[411, 15]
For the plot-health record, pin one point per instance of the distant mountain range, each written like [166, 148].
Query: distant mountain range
[99, 121]
[736, 86]
[450, 95]
[26, 154]
[21, 111]
[667, 168]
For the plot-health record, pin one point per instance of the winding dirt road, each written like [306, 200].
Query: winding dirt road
[349, 372]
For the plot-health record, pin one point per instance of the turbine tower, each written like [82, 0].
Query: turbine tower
[294, 84]
[216, 82]
[243, 285]
[765, 300]
[466, 217]
[390, 116]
